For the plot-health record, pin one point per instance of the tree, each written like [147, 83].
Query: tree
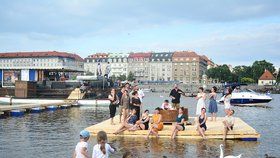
[130, 76]
[278, 76]
[222, 73]
[258, 68]
[241, 72]
[247, 80]
[122, 77]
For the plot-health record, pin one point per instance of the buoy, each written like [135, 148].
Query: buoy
[36, 110]
[16, 113]
[52, 107]
[65, 106]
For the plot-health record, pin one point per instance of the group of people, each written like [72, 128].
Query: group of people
[126, 99]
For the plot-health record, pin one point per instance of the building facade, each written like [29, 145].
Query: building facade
[119, 64]
[35, 66]
[95, 62]
[188, 67]
[161, 67]
[139, 65]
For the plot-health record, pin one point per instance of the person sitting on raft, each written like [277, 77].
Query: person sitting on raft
[201, 124]
[143, 123]
[180, 123]
[129, 123]
[228, 123]
[157, 124]
[166, 106]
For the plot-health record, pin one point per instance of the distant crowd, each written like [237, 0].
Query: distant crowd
[132, 116]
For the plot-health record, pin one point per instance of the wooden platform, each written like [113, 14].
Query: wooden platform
[214, 130]
[76, 94]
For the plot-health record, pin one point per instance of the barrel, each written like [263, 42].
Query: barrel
[16, 113]
[52, 108]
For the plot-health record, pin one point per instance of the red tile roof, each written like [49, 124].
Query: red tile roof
[140, 55]
[185, 54]
[267, 75]
[40, 54]
[98, 55]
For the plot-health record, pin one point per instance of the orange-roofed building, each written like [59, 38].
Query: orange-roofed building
[266, 79]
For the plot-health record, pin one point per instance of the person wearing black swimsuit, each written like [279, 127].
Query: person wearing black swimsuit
[201, 127]
[143, 123]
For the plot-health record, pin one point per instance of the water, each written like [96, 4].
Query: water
[55, 134]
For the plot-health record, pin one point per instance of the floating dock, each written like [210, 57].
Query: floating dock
[241, 130]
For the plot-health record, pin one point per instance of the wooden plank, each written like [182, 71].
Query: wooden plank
[76, 94]
[214, 130]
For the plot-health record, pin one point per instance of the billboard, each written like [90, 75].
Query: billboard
[10, 77]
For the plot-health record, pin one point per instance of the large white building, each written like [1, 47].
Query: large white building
[116, 61]
[35, 66]
[161, 67]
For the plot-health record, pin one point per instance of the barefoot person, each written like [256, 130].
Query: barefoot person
[227, 100]
[143, 123]
[175, 95]
[114, 100]
[213, 108]
[201, 126]
[125, 100]
[180, 123]
[157, 124]
[201, 96]
[129, 123]
[228, 122]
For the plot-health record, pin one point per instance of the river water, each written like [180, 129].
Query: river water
[55, 134]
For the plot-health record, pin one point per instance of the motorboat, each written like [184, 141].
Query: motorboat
[247, 97]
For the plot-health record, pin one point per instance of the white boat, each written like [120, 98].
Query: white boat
[88, 102]
[247, 97]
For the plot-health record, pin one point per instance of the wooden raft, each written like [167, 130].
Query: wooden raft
[214, 130]
[76, 94]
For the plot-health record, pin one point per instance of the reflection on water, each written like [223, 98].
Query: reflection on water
[55, 134]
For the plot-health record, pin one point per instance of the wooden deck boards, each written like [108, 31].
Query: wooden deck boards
[214, 130]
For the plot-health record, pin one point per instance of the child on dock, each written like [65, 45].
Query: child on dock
[102, 149]
[81, 150]
[157, 124]
[228, 123]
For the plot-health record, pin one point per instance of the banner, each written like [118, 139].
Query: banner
[10, 77]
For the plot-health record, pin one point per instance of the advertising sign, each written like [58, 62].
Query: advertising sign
[10, 77]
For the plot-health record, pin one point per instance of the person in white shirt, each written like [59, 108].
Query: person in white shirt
[228, 122]
[81, 150]
[102, 149]
[166, 106]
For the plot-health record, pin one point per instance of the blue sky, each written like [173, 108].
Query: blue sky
[233, 32]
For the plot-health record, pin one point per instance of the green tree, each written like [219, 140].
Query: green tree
[241, 72]
[247, 80]
[122, 77]
[278, 76]
[222, 73]
[258, 68]
[130, 76]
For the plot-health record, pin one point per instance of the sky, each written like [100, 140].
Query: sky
[235, 32]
